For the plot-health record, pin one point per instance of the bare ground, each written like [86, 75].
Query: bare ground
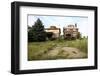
[66, 52]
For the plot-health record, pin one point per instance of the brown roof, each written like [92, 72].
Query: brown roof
[52, 28]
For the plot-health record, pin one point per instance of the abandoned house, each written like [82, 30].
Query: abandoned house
[71, 32]
[56, 31]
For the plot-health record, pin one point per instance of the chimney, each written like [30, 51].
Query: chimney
[75, 24]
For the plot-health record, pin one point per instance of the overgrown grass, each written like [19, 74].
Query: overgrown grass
[80, 44]
[37, 50]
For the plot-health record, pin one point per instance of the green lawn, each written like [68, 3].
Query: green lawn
[37, 50]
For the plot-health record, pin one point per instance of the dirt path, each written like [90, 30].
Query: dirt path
[66, 52]
[74, 52]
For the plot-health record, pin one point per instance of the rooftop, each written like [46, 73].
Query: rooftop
[52, 28]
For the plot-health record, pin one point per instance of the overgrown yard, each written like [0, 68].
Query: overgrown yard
[58, 49]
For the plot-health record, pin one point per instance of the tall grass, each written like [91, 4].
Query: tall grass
[37, 50]
[80, 44]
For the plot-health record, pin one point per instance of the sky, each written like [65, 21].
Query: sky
[61, 21]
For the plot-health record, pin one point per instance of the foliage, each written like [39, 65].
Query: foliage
[40, 50]
[30, 36]
[37, 32]
[29, 27]
[79, 35]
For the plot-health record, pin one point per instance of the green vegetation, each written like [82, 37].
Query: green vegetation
[36, 33]
[40, 50]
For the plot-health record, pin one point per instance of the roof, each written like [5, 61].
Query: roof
[52, 28]
[71, 26]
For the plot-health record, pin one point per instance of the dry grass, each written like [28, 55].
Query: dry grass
[37, 50]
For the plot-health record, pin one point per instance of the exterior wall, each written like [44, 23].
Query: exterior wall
[70, 32]
[56, 33]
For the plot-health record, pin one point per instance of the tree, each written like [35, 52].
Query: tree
[79, 35]
[38, 31]
[29, 27]
[30, 36]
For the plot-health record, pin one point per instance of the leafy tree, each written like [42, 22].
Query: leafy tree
[38, 31]
[79, 35]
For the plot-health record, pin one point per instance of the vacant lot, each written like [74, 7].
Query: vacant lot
[58, 49]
